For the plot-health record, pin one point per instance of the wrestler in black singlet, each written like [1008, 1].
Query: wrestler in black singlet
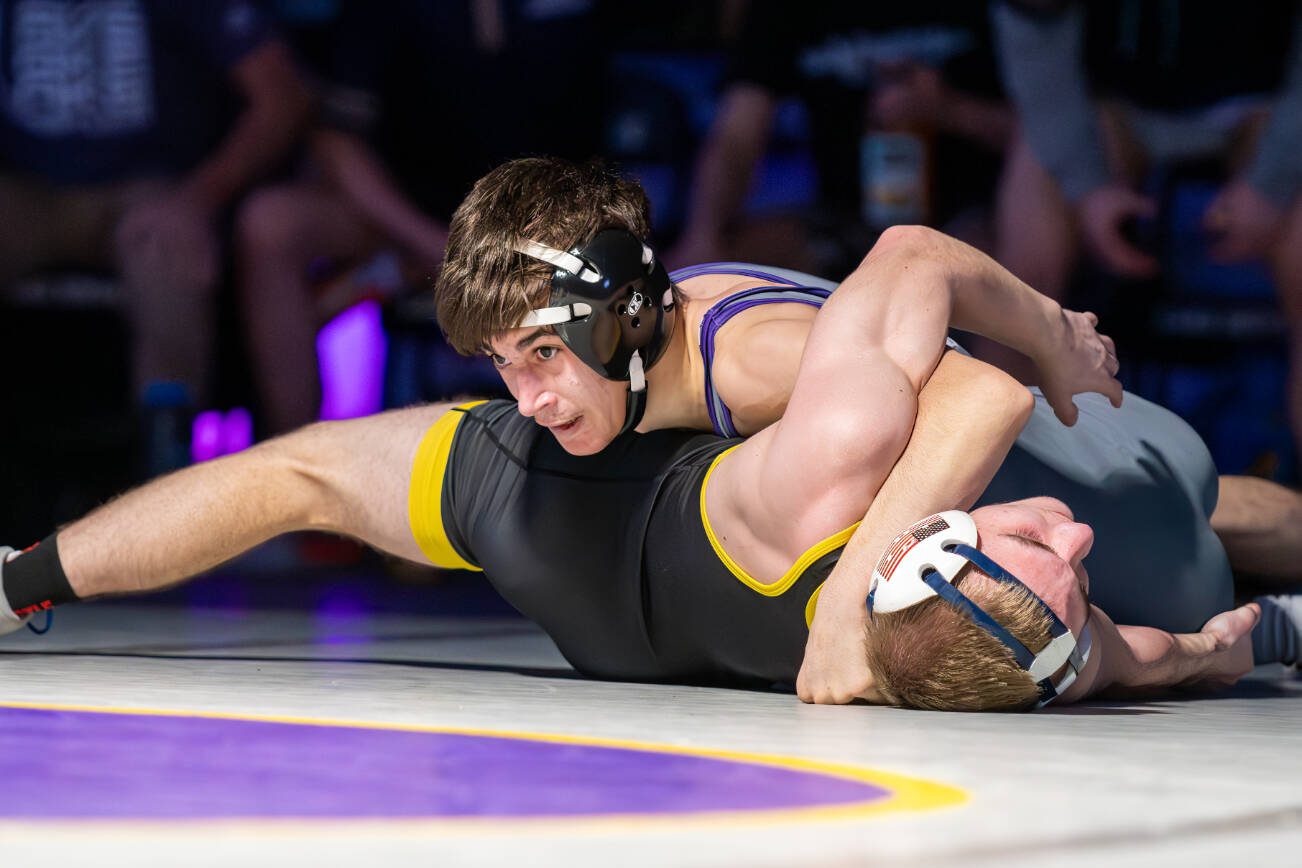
[609, 553]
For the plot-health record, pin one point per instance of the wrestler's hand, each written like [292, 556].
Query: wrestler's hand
[1102, 214]
[1076, 358]
[1229, 652]
[835, 668]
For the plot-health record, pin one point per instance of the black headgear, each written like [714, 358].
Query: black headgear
[612, 304]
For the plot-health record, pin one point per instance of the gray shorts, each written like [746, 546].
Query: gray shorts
[1205, 133]
[1145, 482]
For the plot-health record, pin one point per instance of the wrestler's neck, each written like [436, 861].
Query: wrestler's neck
[676, 382]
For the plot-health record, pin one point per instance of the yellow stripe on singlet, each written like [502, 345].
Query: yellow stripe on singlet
[425, 496]
[781, 585]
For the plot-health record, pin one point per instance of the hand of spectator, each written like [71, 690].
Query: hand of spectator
[835, 668]
[1244, 223]
[910, 94]
[1076, 359]
[1229, 656]
[170, 236]
[1102, 214]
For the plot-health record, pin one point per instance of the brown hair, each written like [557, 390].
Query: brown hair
[486, 287]
[932, 656]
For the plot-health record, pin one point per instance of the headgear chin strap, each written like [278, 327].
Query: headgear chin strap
[923, 561]
[612, 304]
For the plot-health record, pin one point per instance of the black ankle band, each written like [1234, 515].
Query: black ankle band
[35, 580]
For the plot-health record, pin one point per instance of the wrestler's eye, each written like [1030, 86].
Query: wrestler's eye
[498, 361]
[548, 353]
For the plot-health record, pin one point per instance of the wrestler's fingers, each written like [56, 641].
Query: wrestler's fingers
[1114, 392]
[1064, 409]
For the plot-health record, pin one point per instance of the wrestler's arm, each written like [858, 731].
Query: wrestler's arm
[969, 415]
[979, 295]
[816, 471]
[347, 477]
[1131, 661]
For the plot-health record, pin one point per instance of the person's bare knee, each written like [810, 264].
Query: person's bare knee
[270, 222]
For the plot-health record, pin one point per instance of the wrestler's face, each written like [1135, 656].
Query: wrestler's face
[1039, 541]
[558, 391]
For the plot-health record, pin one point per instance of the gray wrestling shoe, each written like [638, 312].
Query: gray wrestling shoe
[1277, 638]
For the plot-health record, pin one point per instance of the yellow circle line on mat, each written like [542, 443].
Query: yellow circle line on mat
[906, 793]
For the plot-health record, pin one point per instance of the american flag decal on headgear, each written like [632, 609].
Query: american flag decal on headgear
[905, 542]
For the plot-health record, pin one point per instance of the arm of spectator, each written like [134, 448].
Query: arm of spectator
[1132, 661]
[1276, 172]
[276, 104]
[351, 164]
[1043, 68]
[1246, 216]
[915, 94]
[170, 231]
[723, 172]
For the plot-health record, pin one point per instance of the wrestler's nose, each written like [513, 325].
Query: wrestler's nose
[1072, 540]
[532, 394]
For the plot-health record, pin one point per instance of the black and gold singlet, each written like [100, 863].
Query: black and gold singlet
[610, 553]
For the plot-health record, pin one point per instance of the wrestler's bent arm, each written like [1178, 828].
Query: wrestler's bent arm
[969, 415]
[347, 477]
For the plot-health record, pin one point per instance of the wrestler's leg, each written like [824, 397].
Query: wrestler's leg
[1260, 524]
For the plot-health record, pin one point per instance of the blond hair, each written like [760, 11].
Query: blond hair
[932, 656]
[485, 286]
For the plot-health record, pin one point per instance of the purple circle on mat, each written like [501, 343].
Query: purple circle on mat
[84, 765]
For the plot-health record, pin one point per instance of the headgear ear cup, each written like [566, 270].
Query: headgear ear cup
[924, 560]
[612, 303]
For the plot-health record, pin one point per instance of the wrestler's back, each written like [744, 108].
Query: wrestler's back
[1145, 482]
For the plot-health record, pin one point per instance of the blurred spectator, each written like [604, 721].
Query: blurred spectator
[420, 100]
[126, 127]
[1110, 89]
[905, 117]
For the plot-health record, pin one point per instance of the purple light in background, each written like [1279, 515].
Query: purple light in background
[237, 430]
[341, 614]
[351, 349]
[206, 436]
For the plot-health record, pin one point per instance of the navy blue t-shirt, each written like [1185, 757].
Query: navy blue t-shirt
[97, 91]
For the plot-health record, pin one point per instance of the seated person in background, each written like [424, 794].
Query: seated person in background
[1105, 91]
[387, 168]
[906, 120]
[1105, 465]
[126, 132]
